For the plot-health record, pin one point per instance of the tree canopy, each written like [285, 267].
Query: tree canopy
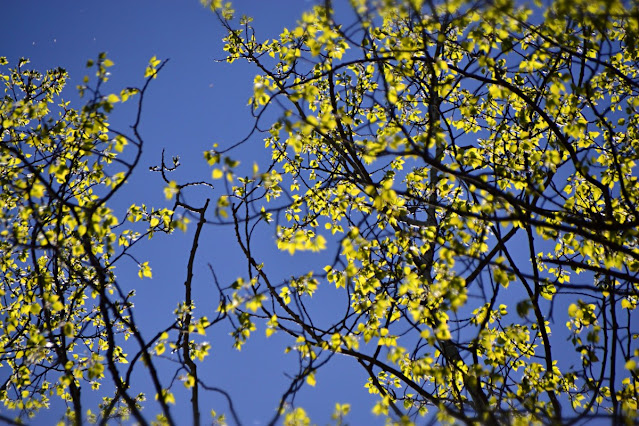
[468, 166]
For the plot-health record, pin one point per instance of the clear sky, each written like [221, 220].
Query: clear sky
[192, 104]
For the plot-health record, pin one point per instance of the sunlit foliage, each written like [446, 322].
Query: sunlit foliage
[473, 166]
[463, 172]
[64, 316]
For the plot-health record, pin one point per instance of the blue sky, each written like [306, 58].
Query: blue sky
[192, 104]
